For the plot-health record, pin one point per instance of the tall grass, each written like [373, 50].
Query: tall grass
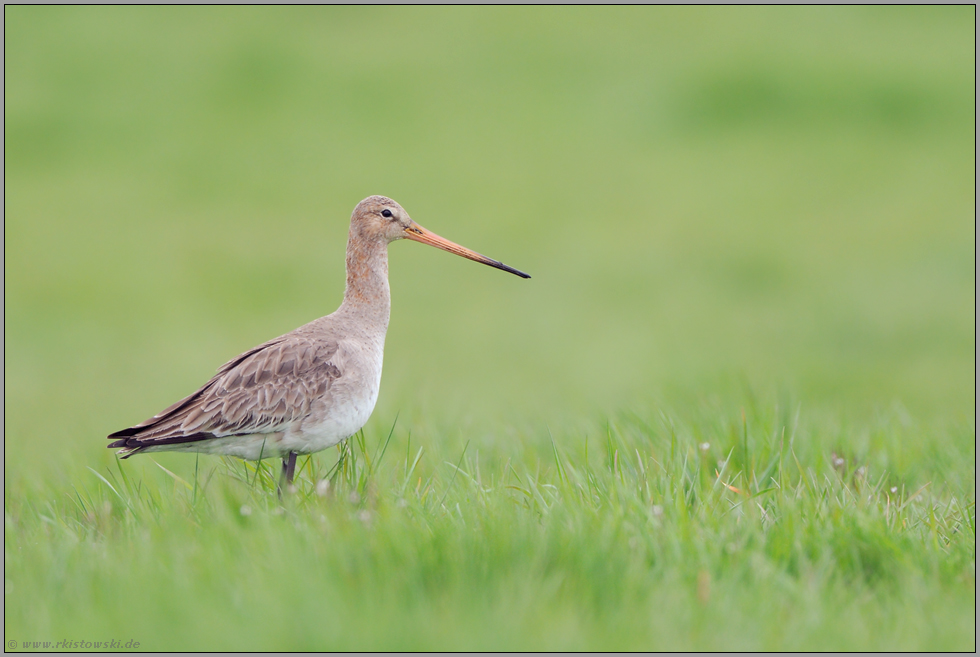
[641, 534]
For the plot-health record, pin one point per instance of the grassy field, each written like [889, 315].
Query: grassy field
[734, 408]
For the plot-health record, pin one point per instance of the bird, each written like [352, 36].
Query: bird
[311, 388]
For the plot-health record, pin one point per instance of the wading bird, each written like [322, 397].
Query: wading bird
[311, 388]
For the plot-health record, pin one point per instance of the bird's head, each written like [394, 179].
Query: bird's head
[380, 218]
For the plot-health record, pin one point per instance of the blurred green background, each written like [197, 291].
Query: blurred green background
[773, 200]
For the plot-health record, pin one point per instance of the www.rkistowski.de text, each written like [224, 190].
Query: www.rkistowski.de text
[76, 644]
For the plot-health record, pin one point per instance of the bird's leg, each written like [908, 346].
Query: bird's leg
[290, 467]
[286, 474]
[282, 478]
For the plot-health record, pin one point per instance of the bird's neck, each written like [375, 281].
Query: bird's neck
[367, 291]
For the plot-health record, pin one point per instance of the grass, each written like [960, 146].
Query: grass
[733, 410]
[648, 534]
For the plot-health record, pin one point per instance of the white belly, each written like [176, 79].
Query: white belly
[339, 422]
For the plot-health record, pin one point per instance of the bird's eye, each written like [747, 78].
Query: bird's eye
[386, 213]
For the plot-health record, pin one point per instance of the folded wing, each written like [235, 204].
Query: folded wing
[261, 391]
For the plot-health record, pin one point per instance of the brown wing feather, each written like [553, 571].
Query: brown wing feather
[260, 391]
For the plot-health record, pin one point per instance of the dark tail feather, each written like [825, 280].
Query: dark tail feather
[129, 445]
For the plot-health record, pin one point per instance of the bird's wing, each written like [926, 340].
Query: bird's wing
[260, 391]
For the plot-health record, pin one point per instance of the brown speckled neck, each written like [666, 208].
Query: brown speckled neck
[367, 291]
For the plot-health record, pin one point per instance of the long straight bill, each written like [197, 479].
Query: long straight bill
[418, 234]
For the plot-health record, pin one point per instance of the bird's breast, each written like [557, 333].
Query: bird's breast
[348, 402]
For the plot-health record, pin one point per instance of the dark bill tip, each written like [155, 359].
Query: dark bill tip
[515, 272]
